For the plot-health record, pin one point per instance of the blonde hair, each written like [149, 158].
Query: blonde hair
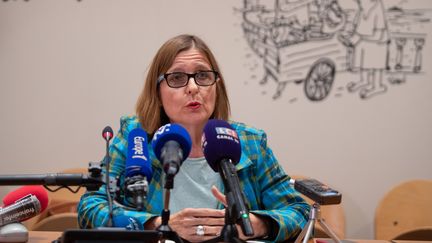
[149, 109]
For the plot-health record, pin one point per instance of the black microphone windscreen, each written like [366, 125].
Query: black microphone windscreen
[220, 141]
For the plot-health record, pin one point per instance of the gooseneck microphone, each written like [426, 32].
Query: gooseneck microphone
[222, 150]
[138, 167]
[108, 134]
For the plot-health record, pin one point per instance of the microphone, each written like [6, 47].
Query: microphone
[22, 204]
[38, 191]
[171, 145]
[21, 210]
[107, 133]
[317, 191]
[138, 167]
[222, 150]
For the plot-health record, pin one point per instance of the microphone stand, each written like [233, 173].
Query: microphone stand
[92, 182]
[229, 232]
[164, 228]
[137, 186]
[314, 217]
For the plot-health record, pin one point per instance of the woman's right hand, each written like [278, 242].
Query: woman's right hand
[186, 222]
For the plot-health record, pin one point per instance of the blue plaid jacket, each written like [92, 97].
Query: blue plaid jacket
[263, 180]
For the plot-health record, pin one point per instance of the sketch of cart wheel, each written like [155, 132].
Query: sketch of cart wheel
[319, 80]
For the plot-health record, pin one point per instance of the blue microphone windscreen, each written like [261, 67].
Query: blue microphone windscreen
[220, 141]
[127, 222]
[171, 132]
[137, 161]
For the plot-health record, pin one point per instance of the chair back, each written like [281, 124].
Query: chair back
[404, 210]
[57, 222]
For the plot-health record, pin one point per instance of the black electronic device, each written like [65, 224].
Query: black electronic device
[116, 235]
[318, 191]
[321, 194]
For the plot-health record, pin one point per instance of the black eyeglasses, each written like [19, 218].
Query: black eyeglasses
[181, 79]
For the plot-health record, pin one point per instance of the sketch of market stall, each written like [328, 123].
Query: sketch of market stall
[309, 41]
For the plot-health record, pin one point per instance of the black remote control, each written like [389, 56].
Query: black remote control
[317, 191]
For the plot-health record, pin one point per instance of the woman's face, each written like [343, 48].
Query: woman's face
[191, 104]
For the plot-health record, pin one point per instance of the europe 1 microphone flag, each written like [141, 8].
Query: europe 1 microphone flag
[137, 161]
[138, 167]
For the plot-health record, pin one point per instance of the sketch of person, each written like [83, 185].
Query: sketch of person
[370, 39]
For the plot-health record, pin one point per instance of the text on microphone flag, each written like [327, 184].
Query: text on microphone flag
[139, 148]
[161, 130]
[226, 133]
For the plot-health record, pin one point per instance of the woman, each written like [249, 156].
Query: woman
[184, 85]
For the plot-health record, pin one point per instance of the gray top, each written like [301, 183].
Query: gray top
[192, 186]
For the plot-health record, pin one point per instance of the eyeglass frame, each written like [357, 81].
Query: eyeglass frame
[164, 76]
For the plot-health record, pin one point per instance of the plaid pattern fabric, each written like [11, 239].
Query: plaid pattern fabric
[263, 180]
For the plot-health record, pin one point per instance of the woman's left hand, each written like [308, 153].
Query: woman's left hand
[258, 223]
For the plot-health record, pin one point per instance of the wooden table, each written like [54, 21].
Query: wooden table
[49, 236]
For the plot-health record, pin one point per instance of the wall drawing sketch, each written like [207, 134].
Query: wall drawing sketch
[310, 42]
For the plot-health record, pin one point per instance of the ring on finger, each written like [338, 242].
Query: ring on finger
[200, 230]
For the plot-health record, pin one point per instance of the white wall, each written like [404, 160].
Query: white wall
[69, 68]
